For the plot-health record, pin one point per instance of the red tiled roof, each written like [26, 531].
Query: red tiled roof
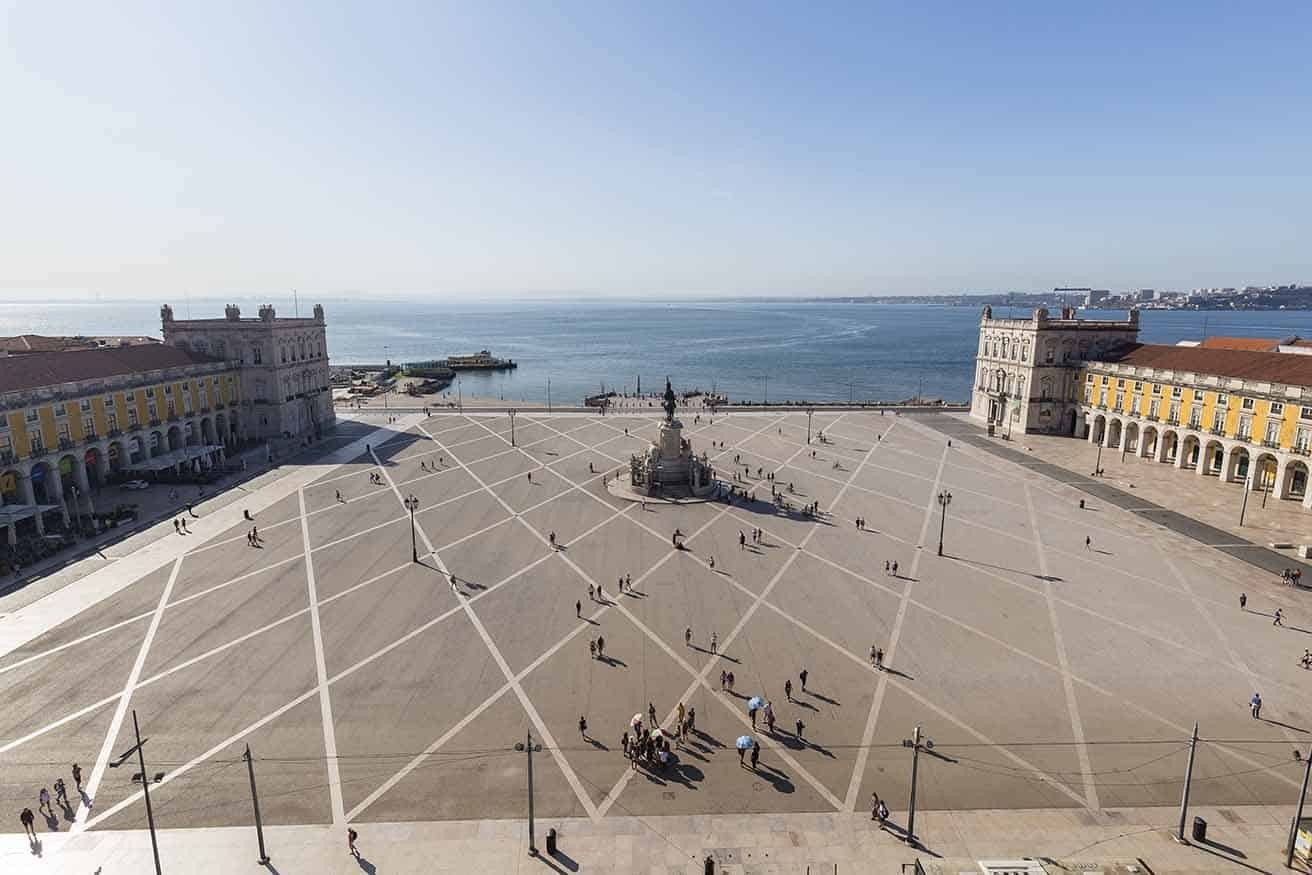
[1253, 344]
[1274, 367]
[31, 371]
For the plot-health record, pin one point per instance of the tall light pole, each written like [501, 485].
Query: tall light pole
[138, 749]
[512, 426]
[412, 504]
[386, 361]
[1248, 482]
[944, 498]
[529, 748]
[1298, 818]
[549, 392]
[915, 742]
[460, 398]
[809, 411]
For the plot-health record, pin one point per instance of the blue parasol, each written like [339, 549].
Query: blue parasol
[755, 702]
[744, 742]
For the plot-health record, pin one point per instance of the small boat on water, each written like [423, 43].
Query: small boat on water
[479, 361]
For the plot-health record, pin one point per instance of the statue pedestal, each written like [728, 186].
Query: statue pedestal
[670, 442]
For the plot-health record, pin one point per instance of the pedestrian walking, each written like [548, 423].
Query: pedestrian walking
[77, 777]
[724, 677]
[578, 609]
[729, 680]
[177, 527]
[788, 690]
[27, 818]
[742, 540]
[44, 807]
[601, 646]
[741, 753]
[592, 597]
[61, 789]
[692, 718]
[769, 718]
[802, 675]
[680, 713]
[712, 562]
[1088, 542]
[1278, 621]
[872, 656]
[592, 648]
[751, 712]
[895, 568]
[351, 836]
[583, 727]
[879, 659]
[1256, 705]
[687, 637]
[756, 755]
[715, 641]
[624, 743]
[800, 727]
[1243, 601]
[339, 495]
[628, 582]
[651, 714]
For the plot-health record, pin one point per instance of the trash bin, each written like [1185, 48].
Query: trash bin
[1200, 829]
[551, 842]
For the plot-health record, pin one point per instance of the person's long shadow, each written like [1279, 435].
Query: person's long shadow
[35, 846]
[369, 868]
[1222, 851]
[806, 705]
[777, 779]
[823, 698]
[596, 744]
[636, 594]
[52, 822]
[898, 672]
[1285, 725]
[612, 661]
[69, 814]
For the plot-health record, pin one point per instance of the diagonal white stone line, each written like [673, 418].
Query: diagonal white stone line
[895, 634]
[543, 731]
[1077, 725]
[321, 668]
[67, 644]
[700, 680]
[102, 759]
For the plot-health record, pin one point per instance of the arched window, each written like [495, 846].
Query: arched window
[284, 353]
[1045, 388]
[1025, 352]
[257, 354]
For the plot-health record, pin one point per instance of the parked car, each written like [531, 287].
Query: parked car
[136, 484]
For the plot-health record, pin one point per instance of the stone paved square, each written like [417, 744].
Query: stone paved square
[1048, 674]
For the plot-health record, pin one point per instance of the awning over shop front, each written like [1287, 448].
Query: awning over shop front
[14, 513]
[168, 460]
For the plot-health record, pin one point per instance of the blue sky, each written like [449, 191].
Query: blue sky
[528, 149]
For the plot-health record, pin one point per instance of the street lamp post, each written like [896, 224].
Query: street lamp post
[916, 742]
[139, 750]
[944, 498]
[549, 393]
[530, 748]
[809, 411]
[1248, 483]
[412, 504]
[512, 426]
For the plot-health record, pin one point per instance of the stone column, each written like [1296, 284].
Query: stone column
[29, 496]
[1203, 459]
[57, 486]
[1160, 455]
[1279, 490]
[83, 482]
[1142, 450]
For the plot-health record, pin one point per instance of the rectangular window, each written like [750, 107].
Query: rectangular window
[1088, 378]
[1277, 409]
[1305, 413]
[168, 390]
[1218, 420]
[1245, 428]
[132, 415]
[1176, 392]
[152, 410]
[172, 408]
[31, 415]
[86, 405]
[64, 433]
[111, 421]
[1174, 414]
[88, 427]
[1088, 394]
[150, 392]
[1246, 403]
[1302, 439]
[257, 356]
[1138, 386]
[186, 402]
[1196, 417]
[1272, 432]
[61, 410]
[1157, 388]
[1120, 400]
[1153, 406]
[1222, 400]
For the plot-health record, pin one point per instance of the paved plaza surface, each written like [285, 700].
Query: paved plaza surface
[1049, 674]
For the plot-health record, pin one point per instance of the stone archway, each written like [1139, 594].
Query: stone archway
[1115, 432]
[43, 484]
[174, 437]
[1191, 450]
[1264, 469]
[1211, 459]
[1148, 442]
[1295, 482]
[1131, 439]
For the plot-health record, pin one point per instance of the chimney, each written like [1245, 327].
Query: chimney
[232, 312]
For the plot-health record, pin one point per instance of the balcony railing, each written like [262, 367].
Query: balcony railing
[37, 449]
[154, 420]
[1245, 437]
[1172, 420]
[1220, 431]
[65, 443]
[1303, 451]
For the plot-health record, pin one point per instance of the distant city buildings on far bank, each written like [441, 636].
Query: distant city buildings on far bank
[1287, 297]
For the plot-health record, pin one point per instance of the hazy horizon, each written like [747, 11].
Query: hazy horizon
[600, 150]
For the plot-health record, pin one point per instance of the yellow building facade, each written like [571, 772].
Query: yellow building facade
[1238, 415]
[72, 421]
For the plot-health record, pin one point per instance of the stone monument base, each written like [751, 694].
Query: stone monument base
[620, 487]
